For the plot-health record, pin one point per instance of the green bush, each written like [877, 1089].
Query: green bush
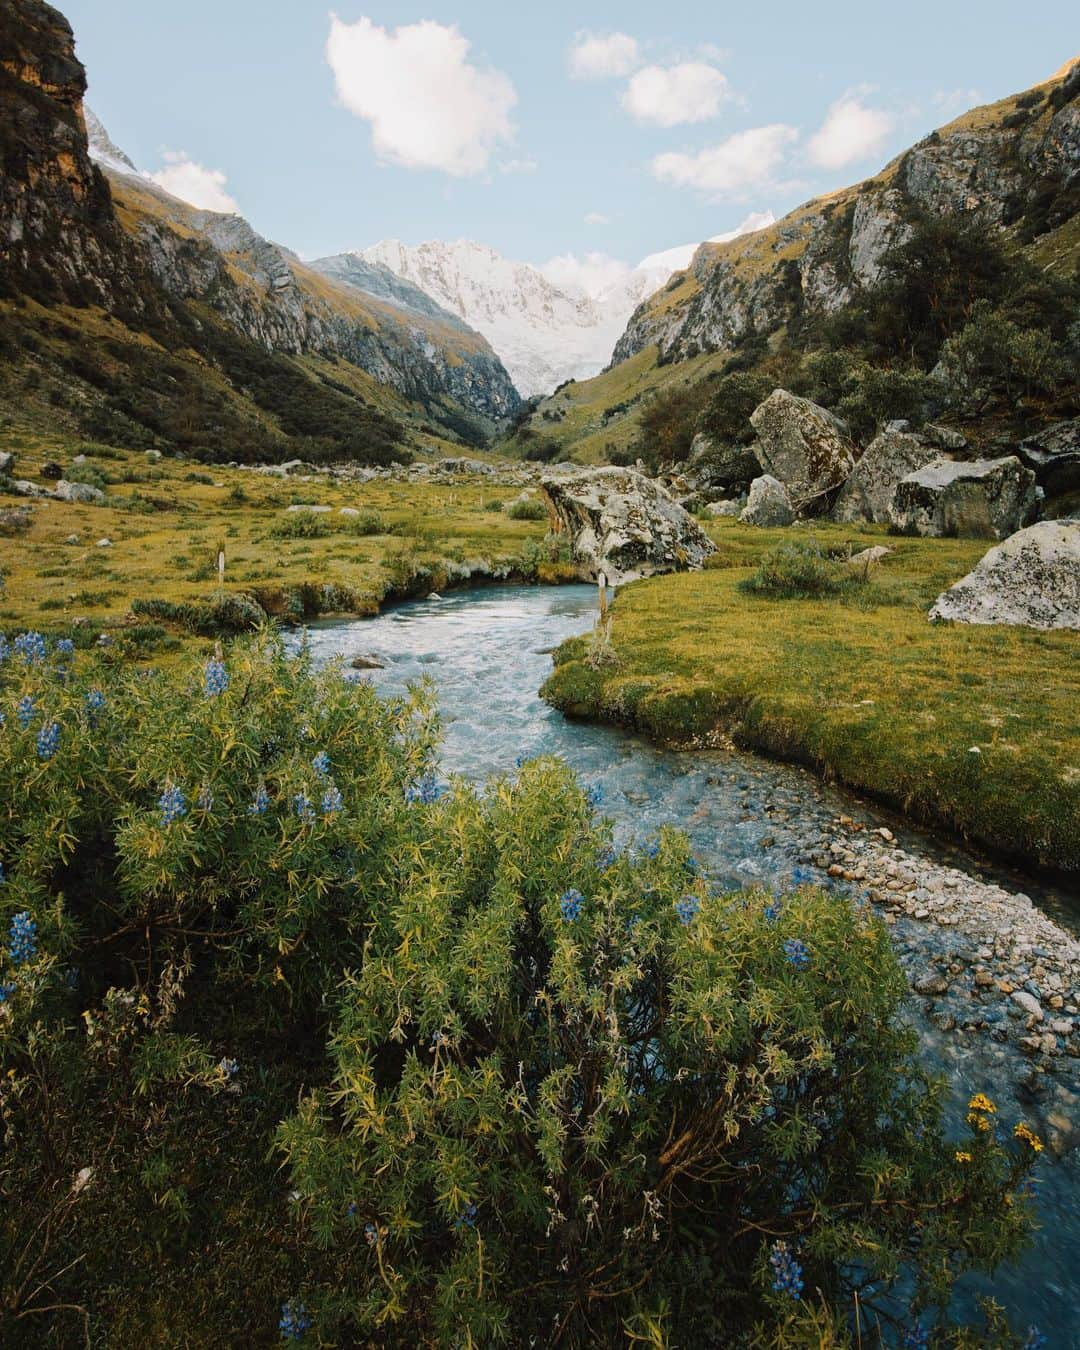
[88, 474]
[991, 355]
[734, 397]
[528, 508]
[366, 523]
[524, 1089]
[799, 570]
[301, 525]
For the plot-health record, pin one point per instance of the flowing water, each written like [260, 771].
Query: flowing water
[488, 651]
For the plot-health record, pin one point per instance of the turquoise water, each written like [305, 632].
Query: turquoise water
[488, 651]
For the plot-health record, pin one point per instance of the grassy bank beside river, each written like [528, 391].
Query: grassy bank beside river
[975, 729]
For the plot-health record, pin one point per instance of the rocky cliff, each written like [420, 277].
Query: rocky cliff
[1014, 165]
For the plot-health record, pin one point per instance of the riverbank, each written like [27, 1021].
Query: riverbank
[137, 565]
[969, 729]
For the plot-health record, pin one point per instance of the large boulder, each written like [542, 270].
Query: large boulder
[1033, 578]
[1053, 456]
[713, 464]
[768, 504]
[804, 446]
[623, 524]
[868, 493]
[77, 492]
[982, 499]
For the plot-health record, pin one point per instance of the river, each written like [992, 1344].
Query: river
[750, 819]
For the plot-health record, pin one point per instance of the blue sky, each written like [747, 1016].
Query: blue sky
[674, 123]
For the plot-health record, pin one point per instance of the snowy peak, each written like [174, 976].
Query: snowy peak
[679, 259]
[103, 150]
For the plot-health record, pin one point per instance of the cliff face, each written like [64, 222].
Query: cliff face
[71, 234]
[1015, 165]
[58, 233]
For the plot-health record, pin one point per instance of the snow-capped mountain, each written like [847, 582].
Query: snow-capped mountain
[103, 150]
[544, 332]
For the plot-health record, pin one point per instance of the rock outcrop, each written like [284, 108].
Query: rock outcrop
[1053, 456]
[982, 499]
[1013, 165]
[804, 446]
[890, 456]
[623, 524]
[1033, 579]
[768, 504]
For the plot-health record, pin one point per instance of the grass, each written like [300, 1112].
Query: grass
[167, 552]
[975, 729]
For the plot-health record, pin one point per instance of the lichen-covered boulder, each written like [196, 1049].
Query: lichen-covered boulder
[1033, 579]
[981, 499]
[804, 446]
[768, 504]
[78, 492]
[714, 464]
[868, 492]
[1053, 456]
[623, 524]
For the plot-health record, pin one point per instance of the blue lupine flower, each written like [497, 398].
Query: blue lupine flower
[570, 903]
[594, 795]
[321, 763]
[652, 849]
[3, 874]
[692, 866]
[65, 647]
[205, 800]
[95, 701]
[520, 762]
[1035, 1339]
[25, 710]
[802, 876]
[5, 649]
[259, 802]
[22, 934]
[295, 1322]
[426, 791]
[605, 858]
[916, 1338]
[787, 1273]
[173, 804]
[797, 953]
[215, 678]
[371, 1233]
[772, 911]
[467, 1219]
[687, 908]
[48, 739]
[229, 1067]
[303, 808]
[31, 647]
[332, 800]
[6, 991]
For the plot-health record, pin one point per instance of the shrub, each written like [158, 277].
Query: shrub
[540, 451]
[366, 523]
[735, 396]
[798, 570]
[301, 525]
[88, 474]
[524, 1087]
[527, 508]
[992, 355]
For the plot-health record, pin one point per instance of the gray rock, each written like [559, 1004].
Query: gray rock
[982, 499]
[77, 492]
[7, 461]
[768, 504]
[804, 446]
[315, 510]
[348, 511]
[1054, 457]
[868, 492]
[623, 524]
[154, 455]
[724, 507]
[104, 543]
[22, 487]
[367, 661]
[1028, 1002]
[877, 225]
[1033, 579]
[867, 557]
[933, 983]
[944, 437]
[714, 465]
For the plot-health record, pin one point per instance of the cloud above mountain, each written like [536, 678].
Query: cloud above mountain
[600, 58]
[851, 132]
[669, 96]
[194, 183]
[744, 161]
[428, 104]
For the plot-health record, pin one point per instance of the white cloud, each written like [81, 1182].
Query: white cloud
[428, 105]
[194, 183]
[851, 131]
[952, 102]
[676, 259]
[528, 165]
[596, 218]
[669, 96]
[746, 160]
[599, 58]
[590, 275]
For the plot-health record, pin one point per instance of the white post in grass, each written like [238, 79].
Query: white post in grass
[221, 565]
[601, 582]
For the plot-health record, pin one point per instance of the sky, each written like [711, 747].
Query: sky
[580, 136]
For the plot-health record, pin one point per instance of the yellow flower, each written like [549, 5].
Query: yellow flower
[1022, 1132]
[978, 1122]
[963, 1157]
[980, 1102]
